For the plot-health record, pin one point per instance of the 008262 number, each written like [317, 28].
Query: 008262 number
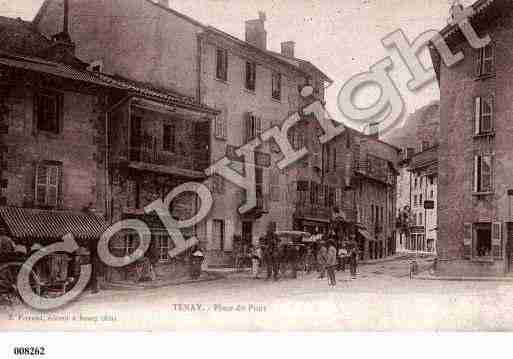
[30, 351]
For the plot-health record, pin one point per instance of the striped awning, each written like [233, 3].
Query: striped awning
[29, 225]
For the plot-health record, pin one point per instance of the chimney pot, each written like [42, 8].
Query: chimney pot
[287, 48]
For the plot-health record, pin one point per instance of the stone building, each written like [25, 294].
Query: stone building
[52, 154]
[83, 149]
[417, 180]
[252, 87]
[475, 152]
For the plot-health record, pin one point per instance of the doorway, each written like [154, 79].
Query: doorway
[247, 232]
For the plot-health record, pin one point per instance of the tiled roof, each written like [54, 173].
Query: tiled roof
[148, 90]
[52, 68]
[30, 224]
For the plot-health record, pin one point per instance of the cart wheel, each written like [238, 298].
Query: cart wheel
[9, 278]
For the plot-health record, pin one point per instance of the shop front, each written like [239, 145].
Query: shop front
[34, 229]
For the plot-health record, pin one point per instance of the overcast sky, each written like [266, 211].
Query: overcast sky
[341, 37]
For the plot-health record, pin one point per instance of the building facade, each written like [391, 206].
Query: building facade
[253, 89]
[475, 153]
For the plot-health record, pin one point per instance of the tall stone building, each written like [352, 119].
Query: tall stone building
[475, 152]
[252, 87]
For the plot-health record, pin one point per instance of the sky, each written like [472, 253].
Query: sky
[341, 37]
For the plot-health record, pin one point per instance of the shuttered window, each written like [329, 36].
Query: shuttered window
[169, 139]
[163, 246]
[48, 107]
[497, 240]
[274, 186]
[253, 126]
[276, 86]
[483, 173]
[218, 234]
[250, 75]
[220, 126]
[47, 185]
[222, 64]
[485, 60]
[483, 115]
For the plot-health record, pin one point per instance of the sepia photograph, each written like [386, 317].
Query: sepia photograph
[255, 166]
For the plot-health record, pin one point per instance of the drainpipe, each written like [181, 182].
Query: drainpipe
[198, 65]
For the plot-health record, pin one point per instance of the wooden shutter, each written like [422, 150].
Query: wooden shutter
[478, 61]
[476, 173]
[477, 115]
[497, 240]
[208, 234]
[467, 240]
[229, 231]
[488, 59]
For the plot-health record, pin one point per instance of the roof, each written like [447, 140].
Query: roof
[276, 56]
[53, 68]
[29, 224]
[150, 91]
[21, 37]
[66, 71]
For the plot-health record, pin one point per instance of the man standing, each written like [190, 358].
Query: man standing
[321, 259]
[353, 258]
[256, 257]
[271, 252]
[331, 263]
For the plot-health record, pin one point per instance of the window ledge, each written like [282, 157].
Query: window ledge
[220, 138]
[485, 77]
[485, 134]
[250, 92]
[482, 193]
[278, 100]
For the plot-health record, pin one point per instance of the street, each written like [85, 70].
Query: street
[381, 298]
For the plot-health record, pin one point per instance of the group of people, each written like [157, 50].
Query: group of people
[324, 256]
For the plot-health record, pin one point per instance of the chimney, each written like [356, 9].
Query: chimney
[255, 32]
[287, 48]
[164, 3]
[62, 40]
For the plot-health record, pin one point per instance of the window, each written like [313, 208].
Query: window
[48, 106]
[274, 186]
[168, 140]
[334, 159]
[276, 86]
[415, 182]
[253, 127]
[483, 172]
[482, 240]
[425, 145]
[220, 127]
[47, 184]
[431, 181]
[483, 115]
[250, 75]
[485, 61]
[302, 190]
[124, 246]
[420, 200]
[415, 200]
[431, 194]
[259, 179]
[420, 219]
[298, 139]
[217, 184]
[218, 234]
[338, 197]
[222, 64]
[163, 247]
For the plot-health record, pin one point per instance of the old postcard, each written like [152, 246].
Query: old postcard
[235, 165]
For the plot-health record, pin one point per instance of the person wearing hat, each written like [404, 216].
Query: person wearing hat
[256, 257]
